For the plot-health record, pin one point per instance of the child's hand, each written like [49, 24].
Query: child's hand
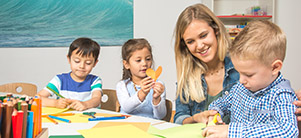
[146, 84]
[217, 131]
[78, 105]
[62, 103]
[158, 90]
[215, 117]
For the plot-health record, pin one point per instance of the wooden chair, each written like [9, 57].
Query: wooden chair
[168, 104]
[109, 100]
[19, 88]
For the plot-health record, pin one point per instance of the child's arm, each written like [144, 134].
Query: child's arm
[223, 104]
[128, 102]
[159, 96]
[284, 122]
[93, 102]
[58, 103]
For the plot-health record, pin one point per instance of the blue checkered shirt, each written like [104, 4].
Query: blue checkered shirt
[265, 113]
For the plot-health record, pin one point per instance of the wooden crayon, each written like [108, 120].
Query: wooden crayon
[8, 120]
[24, 108]
[3, 125]
[1, 109]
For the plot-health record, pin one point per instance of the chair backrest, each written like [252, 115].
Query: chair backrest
[19, 88]
[168, 110]
[109, 100]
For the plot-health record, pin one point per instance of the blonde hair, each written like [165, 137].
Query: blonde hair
[190, 68]
[128, 48]
[261, 40]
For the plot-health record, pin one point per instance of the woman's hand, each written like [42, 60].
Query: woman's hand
[202, 117]
[298, 104]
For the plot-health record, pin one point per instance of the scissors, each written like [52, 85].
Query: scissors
[89, 114]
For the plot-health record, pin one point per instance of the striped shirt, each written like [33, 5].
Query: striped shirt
[266, 113]
[65, 86]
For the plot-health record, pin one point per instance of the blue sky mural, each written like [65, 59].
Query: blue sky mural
[56, 23]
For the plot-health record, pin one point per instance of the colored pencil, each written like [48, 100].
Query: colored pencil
[106, 118]
[14, 121]
[60, 114]
[24, 108]
[1, 109]
[19, 124]
[29, 125]
[59, 118]
[34, 109]
[37, 99]
[55, 92]
[3, 124]
[9, 111]
[52, 120]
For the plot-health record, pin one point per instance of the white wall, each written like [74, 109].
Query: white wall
[154, 20]
[289, 19]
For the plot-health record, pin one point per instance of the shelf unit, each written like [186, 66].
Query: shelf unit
[236, 12]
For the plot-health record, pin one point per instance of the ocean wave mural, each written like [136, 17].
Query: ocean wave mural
[56, 23]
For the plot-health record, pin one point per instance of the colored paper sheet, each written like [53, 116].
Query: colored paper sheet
[141, 125]
[52, 110]
[153, 130]
[66, 136]
[188, 130]
[76, 118]
[122, 131]
[106, 115]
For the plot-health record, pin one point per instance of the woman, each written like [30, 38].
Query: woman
[204, 71]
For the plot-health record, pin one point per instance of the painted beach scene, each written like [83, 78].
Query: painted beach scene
[56, 23]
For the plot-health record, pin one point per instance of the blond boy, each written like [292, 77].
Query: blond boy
[77, 89]
[261, 105]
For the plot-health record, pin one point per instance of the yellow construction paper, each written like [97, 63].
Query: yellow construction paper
[76, 118]
[184, 131]
[122, 131]
[141, 125]
[52, 110]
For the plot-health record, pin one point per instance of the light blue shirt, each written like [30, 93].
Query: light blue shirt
[130, 103]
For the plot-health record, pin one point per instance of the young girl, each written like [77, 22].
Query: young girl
[137, 93]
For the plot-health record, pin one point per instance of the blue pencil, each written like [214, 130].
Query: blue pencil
[58, 118]
[106, 118]
[29, 125]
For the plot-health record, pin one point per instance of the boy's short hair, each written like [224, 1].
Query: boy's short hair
[261, 40]
[85, 47]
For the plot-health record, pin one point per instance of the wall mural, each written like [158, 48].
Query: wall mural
[56, 23]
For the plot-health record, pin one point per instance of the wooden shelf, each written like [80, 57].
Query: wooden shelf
[244, 16]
